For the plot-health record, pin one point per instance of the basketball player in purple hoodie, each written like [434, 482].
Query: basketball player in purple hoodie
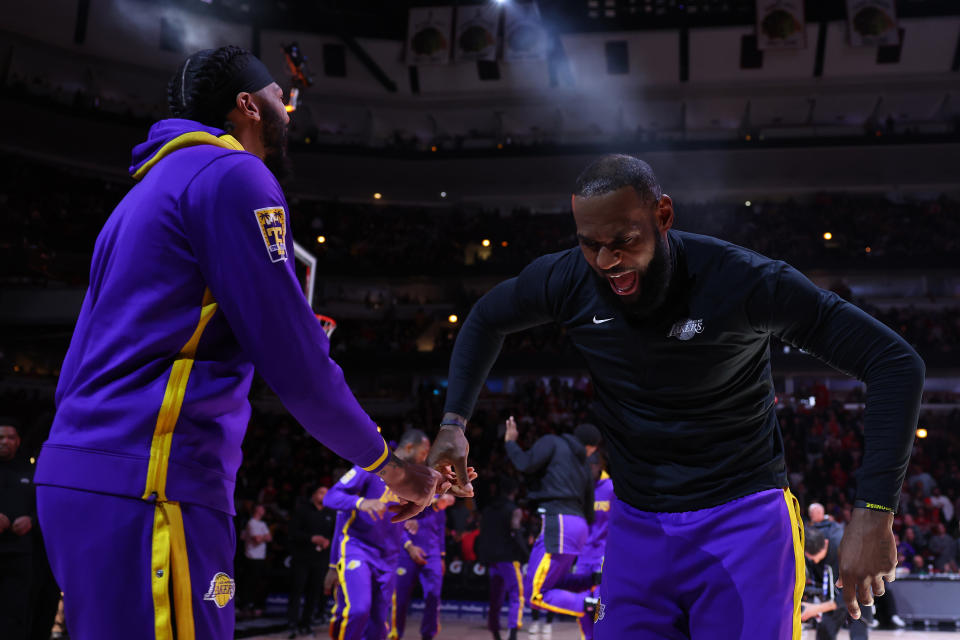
[370, 545]
[192, 286]
[423, 560]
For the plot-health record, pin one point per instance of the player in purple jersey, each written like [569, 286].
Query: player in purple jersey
[425, 546]
[192, 286]
[675, 330]
[370, 545]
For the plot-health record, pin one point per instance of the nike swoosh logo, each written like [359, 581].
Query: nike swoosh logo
[595, 321]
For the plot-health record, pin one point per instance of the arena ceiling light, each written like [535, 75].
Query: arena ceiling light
[452, 318]
[377, 196]
[485, 242]
[827, 235]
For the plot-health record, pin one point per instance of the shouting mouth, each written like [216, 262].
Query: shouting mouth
[624, 283]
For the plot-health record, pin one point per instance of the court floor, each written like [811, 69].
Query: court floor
[475, 630]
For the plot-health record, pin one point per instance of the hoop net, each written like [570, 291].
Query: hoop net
[329, 324]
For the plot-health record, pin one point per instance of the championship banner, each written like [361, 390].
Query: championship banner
[781, 24]
[428, 35]
[524, 35]
[872, 23]
[477, 32]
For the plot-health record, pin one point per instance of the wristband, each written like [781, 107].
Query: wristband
[406, 545]
[863, 504]
[453, 424]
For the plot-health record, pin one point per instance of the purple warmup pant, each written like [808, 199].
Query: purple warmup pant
[431, 581]
[367, 584]
[584, 571]
[549, 580]
[731, 572]
[505, 580]
[135, 569]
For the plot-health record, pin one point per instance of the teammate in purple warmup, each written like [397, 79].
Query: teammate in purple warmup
[370, 544]
[424, 560]
[675, 330]
[192, 286]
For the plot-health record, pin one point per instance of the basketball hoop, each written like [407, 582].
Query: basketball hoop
[328, 324]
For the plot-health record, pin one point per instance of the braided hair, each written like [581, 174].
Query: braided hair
[199, 90]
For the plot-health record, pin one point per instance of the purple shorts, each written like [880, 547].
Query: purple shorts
[730, 572]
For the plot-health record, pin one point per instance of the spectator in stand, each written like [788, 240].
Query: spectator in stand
[943, 548]
[921, 476]
[255, 536]
[944, 504]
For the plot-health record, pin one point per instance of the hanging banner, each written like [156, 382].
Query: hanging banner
[872, 23]
[477, 32]
[781, 24]
[428, 35]
[524, 35]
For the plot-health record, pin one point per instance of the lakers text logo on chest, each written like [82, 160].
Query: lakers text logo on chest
[273, 226]
[686, 329]
[222, 588]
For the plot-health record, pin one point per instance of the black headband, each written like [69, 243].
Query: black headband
[244, 73]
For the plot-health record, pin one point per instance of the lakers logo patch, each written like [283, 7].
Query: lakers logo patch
[273, 226]
[221, 590]
[599, 612]
[353, 564]
[686, 329]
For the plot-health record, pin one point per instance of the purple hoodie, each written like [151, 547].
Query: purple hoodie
[192, 286]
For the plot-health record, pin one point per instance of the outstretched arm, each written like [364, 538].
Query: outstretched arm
[851, 341]
[513, 305]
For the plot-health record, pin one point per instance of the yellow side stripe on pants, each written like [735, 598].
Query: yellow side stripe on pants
[536, 598]
[342, 574]
[169, 559]
[796, 526]
[516, 569]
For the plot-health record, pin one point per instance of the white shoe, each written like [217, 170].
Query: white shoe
[547, 631]
[533, 631]
[897, 621]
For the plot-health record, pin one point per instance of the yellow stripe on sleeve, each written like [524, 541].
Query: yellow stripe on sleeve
[379, 461]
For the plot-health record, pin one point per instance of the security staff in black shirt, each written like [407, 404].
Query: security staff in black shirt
[311, 531]
[675, 330]
[17, 515]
